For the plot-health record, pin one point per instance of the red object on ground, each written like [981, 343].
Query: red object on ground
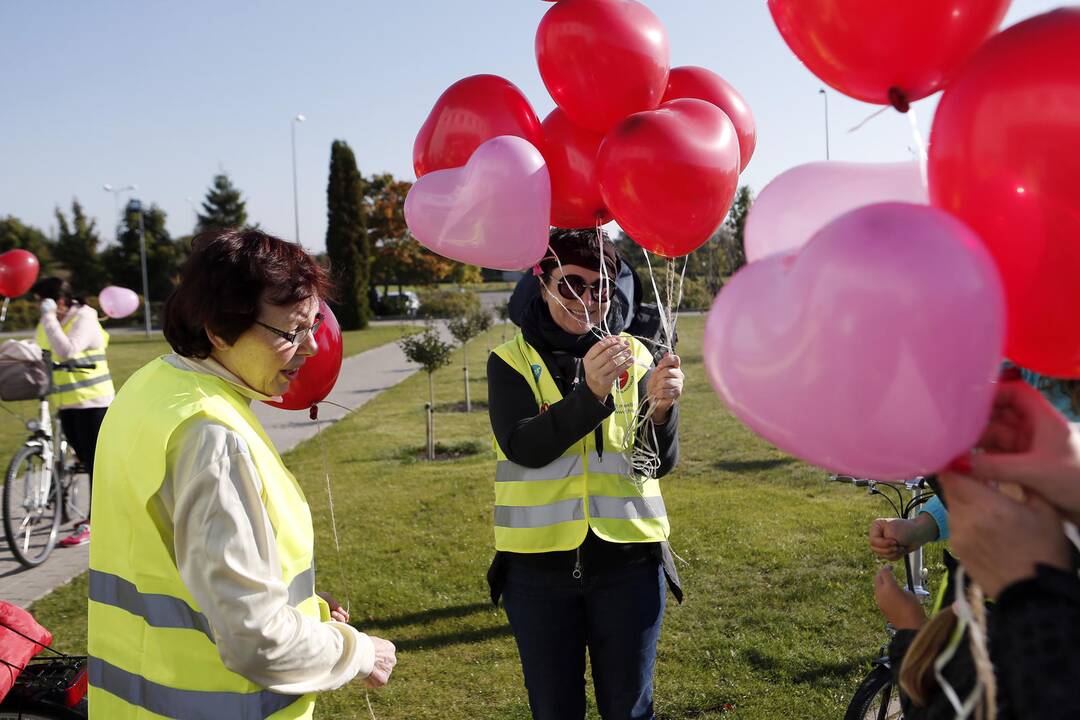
[319, 372]
[15, 649]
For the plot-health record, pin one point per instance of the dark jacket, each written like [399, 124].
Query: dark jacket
[534, 439]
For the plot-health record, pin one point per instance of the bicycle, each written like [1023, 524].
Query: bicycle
[876, 698]
[41, 487]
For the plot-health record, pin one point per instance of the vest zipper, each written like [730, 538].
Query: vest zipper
[577, 565]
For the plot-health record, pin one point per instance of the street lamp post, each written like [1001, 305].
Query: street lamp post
[826, 96]
[116, 201]
[296, 201]
[136, 205]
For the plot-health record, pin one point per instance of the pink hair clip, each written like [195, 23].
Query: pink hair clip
[537, 270]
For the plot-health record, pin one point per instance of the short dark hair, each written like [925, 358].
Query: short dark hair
[578, 247]
[55, 288]
[226, 276]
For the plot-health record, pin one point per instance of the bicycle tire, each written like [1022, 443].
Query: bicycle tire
[866, 703]
[30, 544]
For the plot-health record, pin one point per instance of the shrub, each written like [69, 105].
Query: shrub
[448, 303]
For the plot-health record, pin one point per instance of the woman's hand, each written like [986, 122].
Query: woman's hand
[892, 538]
[336, 611]
[902, 609]
[1030, 444]
[999, 539]
[385, 660]
[48, 306]
[665, 387]
[605, 362]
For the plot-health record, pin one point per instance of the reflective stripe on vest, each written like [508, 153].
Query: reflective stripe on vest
[73, 387]
[552, 507]
[184, 704]
[152, 646]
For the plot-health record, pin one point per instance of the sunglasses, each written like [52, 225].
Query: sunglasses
[297, 337]
[573, 287]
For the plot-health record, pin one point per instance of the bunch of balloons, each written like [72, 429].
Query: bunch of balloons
[656, 148]
[867, 329]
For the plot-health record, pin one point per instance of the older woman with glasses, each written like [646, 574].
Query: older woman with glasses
[202, 583]
[580, 523]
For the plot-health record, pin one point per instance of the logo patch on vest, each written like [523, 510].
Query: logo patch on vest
[537, 372]
[624, 380]
[544, 408]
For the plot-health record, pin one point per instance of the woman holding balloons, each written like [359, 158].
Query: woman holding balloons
[70, 330]
[202, 582]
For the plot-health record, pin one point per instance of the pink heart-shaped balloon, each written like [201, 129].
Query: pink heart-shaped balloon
[872, 351]
[492, 212]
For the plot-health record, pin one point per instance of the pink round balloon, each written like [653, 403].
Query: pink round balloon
[871, 352]
[492, 212]
[804, 199]
[118, 302]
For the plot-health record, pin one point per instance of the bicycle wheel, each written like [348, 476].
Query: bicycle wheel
[74, 486]
[876, 698]
[31, 507]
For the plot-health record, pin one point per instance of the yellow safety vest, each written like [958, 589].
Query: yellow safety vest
[152, 651]
[74, 387]
[552, 508]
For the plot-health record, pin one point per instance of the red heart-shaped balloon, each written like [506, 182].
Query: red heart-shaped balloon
[570, 153]
[701, 83]
[319, 372]
[669, 175]
[469, 113]
[602, 59]
[18, 272]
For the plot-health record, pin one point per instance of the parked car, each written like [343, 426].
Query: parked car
[400, 303]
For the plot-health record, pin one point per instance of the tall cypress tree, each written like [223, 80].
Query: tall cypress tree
[223, 206]
[346, 238]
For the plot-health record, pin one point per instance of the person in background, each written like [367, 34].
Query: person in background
[70, 330]
[580, 537]
[202, 600]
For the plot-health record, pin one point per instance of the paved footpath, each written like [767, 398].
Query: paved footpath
[362, 377]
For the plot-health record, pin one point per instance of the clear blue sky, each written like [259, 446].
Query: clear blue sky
[162, 95]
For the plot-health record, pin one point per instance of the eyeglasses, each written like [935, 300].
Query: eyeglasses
[296, 337]
[572, 287]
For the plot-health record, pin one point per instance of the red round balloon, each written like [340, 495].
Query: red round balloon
[669, 175]
[1005, 159]
[18, 272]
[570, 153]
[602, 60]
[698, 82]
[469, 113]
[886, 52]
[320, 371]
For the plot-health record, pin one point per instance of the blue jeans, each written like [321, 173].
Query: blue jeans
[615, 614]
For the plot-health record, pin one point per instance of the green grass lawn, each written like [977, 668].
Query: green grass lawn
[778, 621]
[129, 352]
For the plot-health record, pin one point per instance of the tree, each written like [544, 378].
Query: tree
[15, 234]
[223, 206]
[163, 256]
[429, 351]
[347, 243]
[735, 223]
[77, 249]
[464, 328]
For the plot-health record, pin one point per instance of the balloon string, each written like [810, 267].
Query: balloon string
[920, 145]
[333, 518]
[3, 312]
[868, 118]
